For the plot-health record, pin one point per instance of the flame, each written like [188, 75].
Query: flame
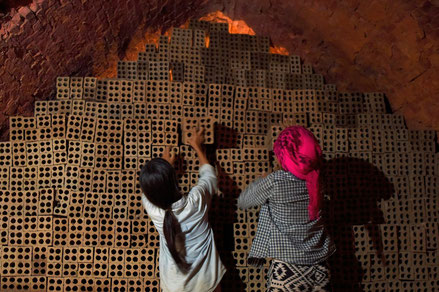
[136, 45]
[279, 50]
[235, 26]
[207, 41]
[241, 27]
[139, 40]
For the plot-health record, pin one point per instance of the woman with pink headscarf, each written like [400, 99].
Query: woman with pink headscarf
[290, 229]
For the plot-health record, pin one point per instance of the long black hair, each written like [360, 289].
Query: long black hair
[158, 181]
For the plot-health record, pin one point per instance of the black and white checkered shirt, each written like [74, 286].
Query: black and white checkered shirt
[284, 229]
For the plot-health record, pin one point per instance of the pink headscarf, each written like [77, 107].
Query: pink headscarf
[298, 151]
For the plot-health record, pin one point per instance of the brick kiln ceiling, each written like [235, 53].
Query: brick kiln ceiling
[378, 45]
[388, 46]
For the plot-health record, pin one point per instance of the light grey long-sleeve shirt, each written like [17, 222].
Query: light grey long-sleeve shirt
[191, 212]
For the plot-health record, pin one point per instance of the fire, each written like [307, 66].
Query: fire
[239, 26]
[136, 45]
[235, 26]
[279, 50]
[139, 40]
[207, 41]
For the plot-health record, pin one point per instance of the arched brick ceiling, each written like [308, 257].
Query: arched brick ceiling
[50, 38]
[377, 45]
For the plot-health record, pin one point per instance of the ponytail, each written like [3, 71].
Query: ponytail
[175, 240]
[159, 184]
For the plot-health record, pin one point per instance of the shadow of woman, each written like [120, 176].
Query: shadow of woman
[353, 189]
[222, 212]
[223, 215]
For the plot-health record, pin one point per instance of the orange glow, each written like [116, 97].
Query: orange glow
[139, 40]
[241, 27]
[207, 40]
[136, 45]
[105, 66]
[279, 50]
[235, 26]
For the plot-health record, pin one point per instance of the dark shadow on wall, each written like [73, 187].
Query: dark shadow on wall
[222, 218]
[353, 189]
[222, 214]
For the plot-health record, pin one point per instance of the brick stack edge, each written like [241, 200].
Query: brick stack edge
[49, 38]
[71, 216]
[388, 46]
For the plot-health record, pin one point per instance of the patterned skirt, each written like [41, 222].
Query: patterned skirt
[285, 277]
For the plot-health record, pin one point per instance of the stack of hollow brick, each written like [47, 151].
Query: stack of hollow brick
[71, 215]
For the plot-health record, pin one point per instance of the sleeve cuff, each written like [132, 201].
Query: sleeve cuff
[206, 169]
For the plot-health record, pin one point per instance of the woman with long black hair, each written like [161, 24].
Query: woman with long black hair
[189, 260]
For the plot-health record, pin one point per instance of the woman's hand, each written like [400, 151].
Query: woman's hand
[168, 155]
[196, 139]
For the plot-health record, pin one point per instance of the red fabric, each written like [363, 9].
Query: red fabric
[298, 152]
